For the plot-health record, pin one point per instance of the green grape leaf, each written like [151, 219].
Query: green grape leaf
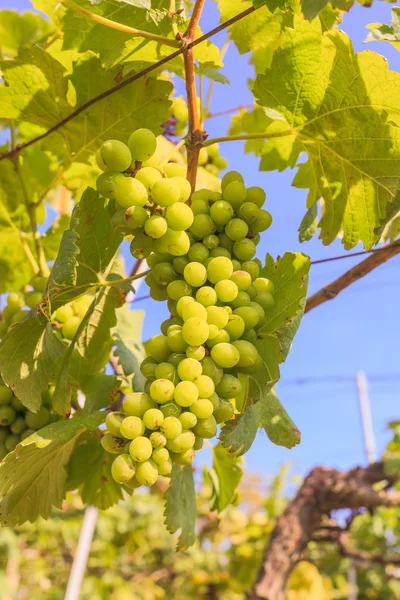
[180, 506]
[33, 476]
[309, 224]
[18, 30]
[99, 489]
[127, 335]
[238, 434]
[51, 240]
[15, 269]
[392, 230]
[213, 74]
[277, 424]
[313, 8]
[100, 391]
[225, 475]
[347, 120]
[386, 33]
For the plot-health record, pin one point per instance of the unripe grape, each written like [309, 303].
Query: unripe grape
[162, 390]
[229, 177]
[113, 423]
[153, 418]
[242, 279]
[156, 258]
[70, 327]
[206, 428]
[248, 353]
[165, 468]
[226, 290]
[183, 442]
[32, 298]
[132, 427]
[142, 144]
[179, 263]
[99, 161]
[221, 212]
[156, 226]
[184, 187]
[164, 273]
[245, 249]
[147, 472]
[221, 337]
[265, 299]
[216, 315]
[249, 316]
[198, 444]
[189, 369]
[158, 348]
[214, 399]
[106, 184]
[264, 221]
[15, 301]
[130, 192]
[148, 176]
[200, 206]
[212, 331]
[157, 439]
[112, 444]
[257, 195]
[148, 366]
[206, 296]
[165, 192]
[141, 246]
[202, 408]
[6, 395]
[249, 212]
[195, 331]
[237, 229]
[11, 442]
[119, 223]
[260, 311]
[140, 449]
[39, 419]
[195, 274]
[202, 226]
[178, 289]
[179, 216]
[18, 426]
[219, 268]
[171, 427]
[251, 292]
[225, 241]
[194, 309]
[205, 386]
[225, 355]
[198, 253]
[175, 358]
[242, 299]
[122, 469]
[135, 217]
[188, 419]
[186, 393]
[115, 155]
[17, 404]
[224, 412]
[176, 343]
[160, 455]
[220, 251]
[165, 371]
[136, 404]
[196, 352]
[179, 109]
[211, 241]
[235, 193]
[235, 327]
[170, 409]
[182, 303]
[229, 386]
[212, 370]
[172, 169]
[132, 484]
[176, 243]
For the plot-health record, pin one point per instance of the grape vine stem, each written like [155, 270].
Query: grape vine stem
[248, 136]
[120, 26]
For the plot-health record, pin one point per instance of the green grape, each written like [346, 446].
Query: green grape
[264, 284]
[235, 327]
[206, 296]
[198, 444]
[224, 412]
[21, 314]
[245, 249]
[179, 109]
[170, 409]
[175, 358]
[249, 212]
[189, 369]
[171, 427]
[186, 392]
[196, 352]
[242, 279]
[106, 184]
[137, 403]
[162, 390]
[220, 251]
[188, 419]
[15, 301]
[212, 370]
[178, 289]
[225, 355]
[198, 253]
[81, 305]
[147, 473]
[182, 303]
[142, 144]
[179, 216]
[11, 442]
[141, 246]
[122, 469]
[165, 371]
[119, 223]
[236, 265]
[212, 332]
[112, 444]
[203, 156]
[132, 484]
[70, 327]
[27, 433]
[165, 325]
[195, 331]
[166, 192]
[184, 187]
[130, 192]
[229, 177]
[163, 273]
[6, 395]
[156, 226]
[99, 161]
[148, 176]
[216, 315]
[176, 243]
[220, 162]
[264, 221]
[113, 423]
[158, 348]
[202, 226]
[265, 299]
[249, 316]
[236, 229]
[39, 419]
[153, 418]
[157, 439]
[219, 268]
[115, 155]
[206, 195]
[221, 337]
[17, 404]
[132, 427]
[229, 387]
[147, 384]
[259, 309]
[225, 241]
[32, 298]
[206, 428]
[205, 386]
[18, 426]
[3, 434]
[214, 399]
[235, 193]
[251, 292]
[200, 206]
[158, 292]
[176, 343]
[226, 290]
[156, 258]
[257, 195]
[140, 449]
[183, 442]
[242, 299]
[135, 217]
[195, 274]
[194, 309]
[184, 458]
[248, 353]
[213, 150]
[202, 408]
[179, 263]
[211, 242]
[172, 169]
[165, 468]
[160, 455]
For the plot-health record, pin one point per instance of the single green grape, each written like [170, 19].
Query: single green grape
[221, 212]
[212, 370]
[162, 390]
[132, 427]
[220, 251]
[225, 241]
[186, 393]
[119, 223]
[164, 273]
[257, 195]
[11, 442]
[153, 418]
[113, 423]
[157, 439]
[176, 243]
[235, 193]
[202, 408]
[249, 212]
[132, 484]
[212, 332]
[264, 221]
[112, 444]
[39, 419]
[176, 343]
[189, 369]
[140, 449]
[196, 352]
[6, 395]
[106, 184]
[70, 327]
[229, 177]
[249, 316]
[184, 187]
[183, 442]
[235, 327]
[148, 176]
[130, 192]
[200, 206]
[160, 455]
[221, 337]
[63, 314]
[205, 386]
[206, 296]
[141, 246]
[216, 315]
[245, 249]
[242, 279]
[202, 226]
[171, 427]
[182, 303]
[229, 387]
[156, 226]
[211, 241]
[214, 399]
[156, 258]
[194, 309]
[165, 371]
[179, 263]
[147, 472]
[32, 298]
[135, 217]
[236, 229]
[219, 268]
[122, 469]
[165, 325]
[15, 301]
[166, 192]
[178, 289]
[226, 290]
[179, 109]
[262, 284]
[206, 428]
[165, 468]
[198, 253]
[179, 216]
[137, 403]
[225, 355]
[183, 458]
[18, 426]
[261, 312]
[170, 409]
[248, 353]
[242, 299]
[142, 144]
[198, 444]
[158, 348]
[115, 155]
[195, 331]
[188, 419]
[172, 169]
[265, 299]
[195, 274]
[17, 404]
[224, 412]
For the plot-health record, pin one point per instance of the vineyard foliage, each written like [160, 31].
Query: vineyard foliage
[69, 339]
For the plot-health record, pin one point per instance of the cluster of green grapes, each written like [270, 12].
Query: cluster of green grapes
[67, 318]
[14, 311]
[202, 262]
[17, 422]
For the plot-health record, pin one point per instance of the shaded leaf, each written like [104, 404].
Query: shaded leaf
[180, 506]
[226, 475]
[127, 336]
[100, 391]
[309, 224]
[238, 434]
[278, 425]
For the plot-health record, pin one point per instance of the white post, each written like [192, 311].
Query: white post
[82, 553]
[366, 418]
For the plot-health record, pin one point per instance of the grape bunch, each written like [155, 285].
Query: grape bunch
[202, 260]
[67, 318]
[15, 309]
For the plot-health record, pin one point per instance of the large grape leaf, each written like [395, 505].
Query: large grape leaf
[127, 336]
[180, 506]
[15, 269]
[100, 391]
[386, 33]
[33, 476]
[18, 30]
[225, 476]
[346, 119]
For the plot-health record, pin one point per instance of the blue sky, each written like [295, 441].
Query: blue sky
[355, 331]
